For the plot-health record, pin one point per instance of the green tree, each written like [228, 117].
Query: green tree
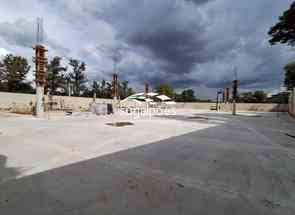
[108, 90]
[13, 72]
[260, 96]
[130, 91]
[102, 88]
[246, 97]
[2, 77]
[77, 75]
[188, 95]
[284, 31]
[165, 89]
[2, 73]
[55, 75]
[290, 75]
[125, 90]
[96, 88]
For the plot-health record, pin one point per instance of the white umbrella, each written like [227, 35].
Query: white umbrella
[141, 97]
[163, 98]
[170, 103]
[152, 94]
[148, 100]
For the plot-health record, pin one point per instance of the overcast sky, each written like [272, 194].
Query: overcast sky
[194, 44]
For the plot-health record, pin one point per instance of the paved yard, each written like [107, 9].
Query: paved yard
[196, 162]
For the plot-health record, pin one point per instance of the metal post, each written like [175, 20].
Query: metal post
[235, 95]
[94, 97]
[217, 98]
[234, 107]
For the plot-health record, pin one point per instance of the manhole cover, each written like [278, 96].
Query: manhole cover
[120, 124]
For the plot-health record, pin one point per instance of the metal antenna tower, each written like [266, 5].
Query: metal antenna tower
[40, 31]
[235, 70]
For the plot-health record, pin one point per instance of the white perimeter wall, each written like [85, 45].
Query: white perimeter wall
[8, 100]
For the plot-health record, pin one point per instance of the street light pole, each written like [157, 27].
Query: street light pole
[217, 99]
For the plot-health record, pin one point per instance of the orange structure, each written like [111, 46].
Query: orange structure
[115, 90]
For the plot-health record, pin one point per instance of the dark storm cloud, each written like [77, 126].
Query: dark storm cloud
[178, 37]
[179, 50]
[197, 1]
[187, 43]
[170, 35]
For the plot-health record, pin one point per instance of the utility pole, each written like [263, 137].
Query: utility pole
[115, 87]
[235, 96]
[40, 61]
[146, 89]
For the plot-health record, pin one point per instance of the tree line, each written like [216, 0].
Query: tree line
[60, 80]
[187, 95]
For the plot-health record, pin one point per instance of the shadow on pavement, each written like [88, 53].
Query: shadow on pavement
[210, 171]
[7, 173]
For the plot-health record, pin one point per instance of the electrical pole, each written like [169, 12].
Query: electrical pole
[115, 86]
[235, 96]
[146, 89]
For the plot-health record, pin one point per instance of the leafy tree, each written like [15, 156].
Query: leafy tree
[284, 31]
[96, 89]
[102, 88]
[280, 98]
[108, 90]
[2, 72]
[290, 75]
[260, 96]
[2, 77]
[77, 76]
[125, 90]
[186, 96]
[130, 91]
[253, 97]
[55, 76]
[87, 92]
[166, 90]
[246, 97]
[13, 72]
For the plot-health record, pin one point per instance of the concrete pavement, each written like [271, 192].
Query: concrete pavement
[197, 162]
